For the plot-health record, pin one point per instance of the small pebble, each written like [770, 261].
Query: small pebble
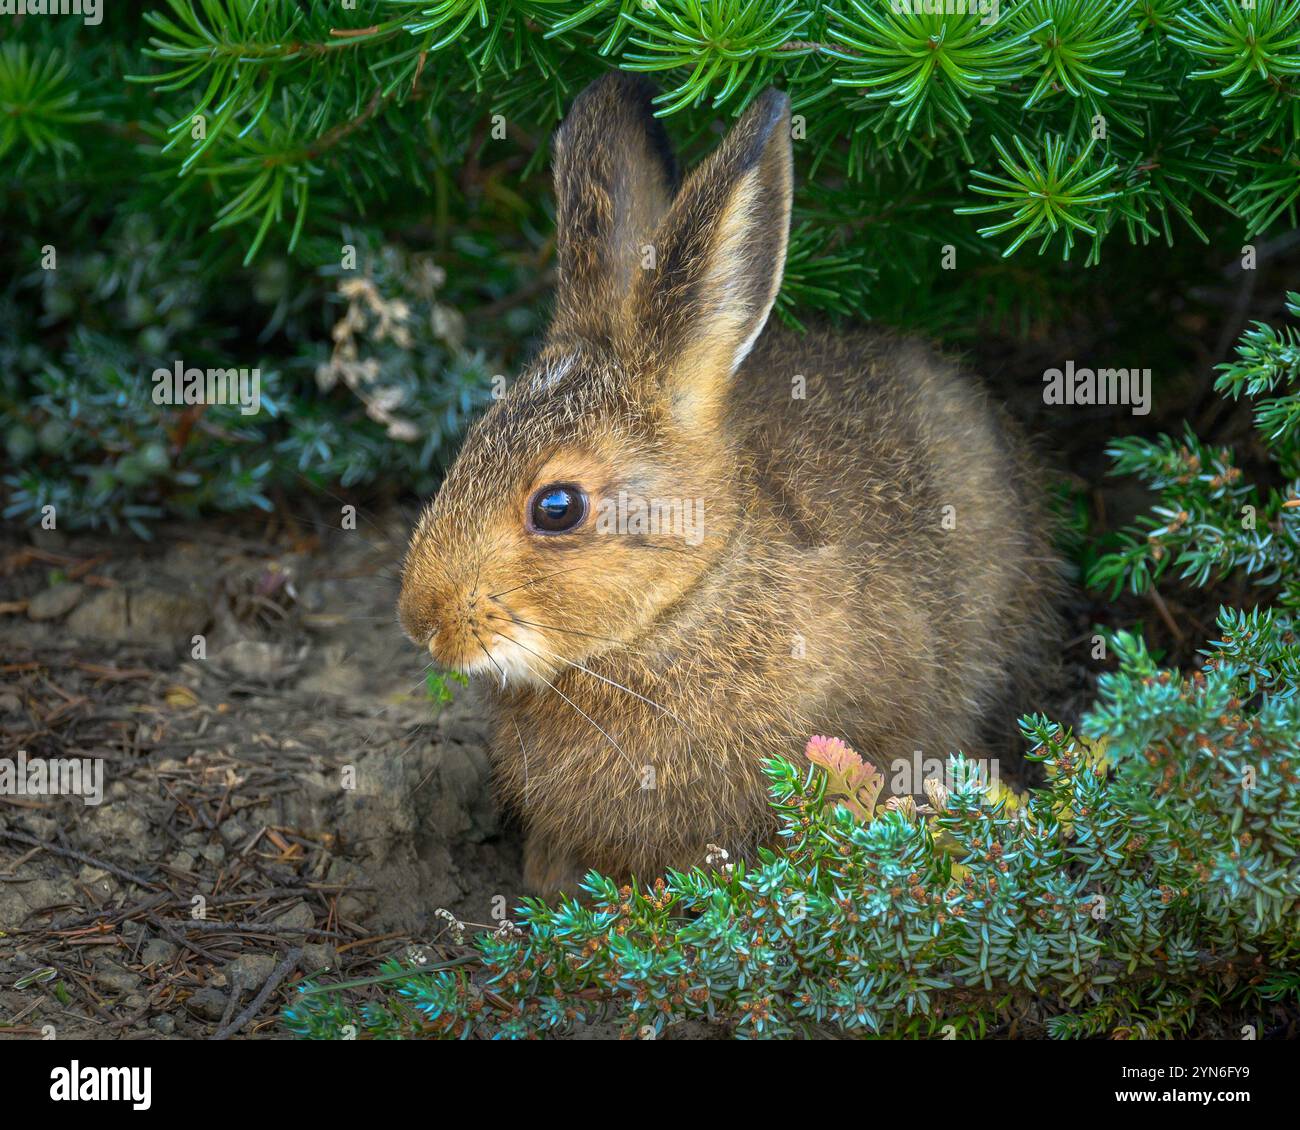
[159, 951]
[207, 1004]
[56, 601]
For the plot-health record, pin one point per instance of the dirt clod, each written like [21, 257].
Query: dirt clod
[56, 601]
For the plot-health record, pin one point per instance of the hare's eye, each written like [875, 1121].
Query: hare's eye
[558, 508]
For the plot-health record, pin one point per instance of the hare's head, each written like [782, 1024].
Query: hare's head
[595, 493]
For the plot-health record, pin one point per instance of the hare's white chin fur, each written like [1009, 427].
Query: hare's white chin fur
[512, 661]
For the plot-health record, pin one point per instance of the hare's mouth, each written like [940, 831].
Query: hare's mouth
[517, 655]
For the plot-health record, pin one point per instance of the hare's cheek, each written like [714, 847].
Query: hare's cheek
[516, 652]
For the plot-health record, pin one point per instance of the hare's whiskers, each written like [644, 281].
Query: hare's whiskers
[588, 717]
[552, 628]
[524, 750]
[536, 580]
[612, 683]
[490, 659]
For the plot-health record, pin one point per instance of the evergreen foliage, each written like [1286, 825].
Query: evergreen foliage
[1209, 520]
[200, 209]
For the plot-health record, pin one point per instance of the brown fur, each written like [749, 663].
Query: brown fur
[639, 679]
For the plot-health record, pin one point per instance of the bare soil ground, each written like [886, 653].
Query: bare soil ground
[283, 800]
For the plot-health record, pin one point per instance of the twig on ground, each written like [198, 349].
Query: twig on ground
[281, 972]
[81, 857]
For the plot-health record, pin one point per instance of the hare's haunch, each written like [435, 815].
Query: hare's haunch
[685, 540]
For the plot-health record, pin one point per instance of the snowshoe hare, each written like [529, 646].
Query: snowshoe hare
[686, 540]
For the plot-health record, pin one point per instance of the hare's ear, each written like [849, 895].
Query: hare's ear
[721, 252]
[614, 178]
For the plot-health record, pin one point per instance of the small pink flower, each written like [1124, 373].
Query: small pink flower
[832, 754]
[849, 780]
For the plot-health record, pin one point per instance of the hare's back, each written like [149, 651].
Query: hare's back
[881, 447]
[865, 432]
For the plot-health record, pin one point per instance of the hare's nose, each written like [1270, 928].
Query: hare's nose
[481, 616]
[471, 610]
